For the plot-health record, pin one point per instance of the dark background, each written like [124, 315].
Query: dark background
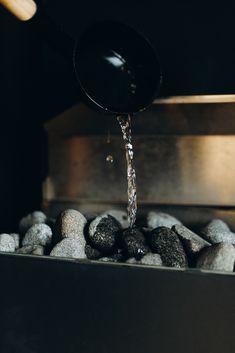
[195, 42]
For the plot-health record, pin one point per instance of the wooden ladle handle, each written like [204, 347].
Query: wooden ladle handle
[24, 10]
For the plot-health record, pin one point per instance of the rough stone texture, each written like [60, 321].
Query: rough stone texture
[134, 244]
[159, 219]
[16, 238]
[7, 243]
[166, 243]
[120, 216]
[31, 250]
[69, 247]
[148, 259]
[31, 219]
[38, 234]
[191, 241]
[218, 257]
[151, 259]
[104, 233]
[218, 231]
[91, 253]
[70, 224]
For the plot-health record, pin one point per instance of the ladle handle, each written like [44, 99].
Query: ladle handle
[27, 10]
[24, 10]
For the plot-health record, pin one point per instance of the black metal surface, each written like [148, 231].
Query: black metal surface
[117, 68]
[50, 305]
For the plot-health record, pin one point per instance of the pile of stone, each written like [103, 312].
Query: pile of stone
[165, 241]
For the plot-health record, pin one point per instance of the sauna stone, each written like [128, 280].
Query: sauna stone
[166, 243]
[31, 219]
[71, 224]
[69, 247]
[104, 234]
[91, 253]
[191, 241]
[218, 231]
[31, 250]
[16, 238]
[38, 234]
[218, 257]
[148, 259]
[119, 215]
[7, 243]
[134, 243]
[159, 219]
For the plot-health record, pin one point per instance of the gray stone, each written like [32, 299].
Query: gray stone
[104, 233]
[218, 231]
[166, 243]
[108, 259]
[31, 219]
[218, 257]
[71, 224]
[31, 250]
[16, 238]
[134, 244]
[38, 234]
[160, 219]
[120, 216]
[151, 259]
[70, 248]
[7, 243]
[191, 241]
[148, 259]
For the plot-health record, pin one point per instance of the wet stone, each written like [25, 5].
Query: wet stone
[160, 219]
[16, 238]
[191, 241]
[7, 243]
[91, 253]
[120, 216]
[69, 247]
[31, 219]
[218, 257]
[134, 244]
[31, 250]
[218, 231]
[104, 234]
[70, 224]
[166, 243]
[38, 234]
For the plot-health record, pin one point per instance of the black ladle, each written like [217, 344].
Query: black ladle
[116, 67]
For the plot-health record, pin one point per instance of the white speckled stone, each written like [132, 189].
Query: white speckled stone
[218, 257]
[160, 219]
[38, 234]
[69, 247]
[16, 238]
[217, 231]
[148, 259]
[31, 219]
[71, 224]
[31, 250]
[7, 243]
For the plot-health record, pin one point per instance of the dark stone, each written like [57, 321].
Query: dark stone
[91, 253]
[166, 243]
[104, 232]
[134, 243]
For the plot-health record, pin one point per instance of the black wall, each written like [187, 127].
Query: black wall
[196, 45]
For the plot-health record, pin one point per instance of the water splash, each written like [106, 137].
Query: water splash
[125, 123]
